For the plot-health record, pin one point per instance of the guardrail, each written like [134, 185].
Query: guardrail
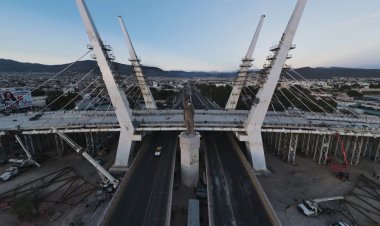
[209, 196]
[263, 197]
[115, 199]
[170, 196]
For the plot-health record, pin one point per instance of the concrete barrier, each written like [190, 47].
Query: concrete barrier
[263, 197]
[170, 196]
[111, 205]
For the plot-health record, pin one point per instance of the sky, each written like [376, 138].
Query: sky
[193, 35]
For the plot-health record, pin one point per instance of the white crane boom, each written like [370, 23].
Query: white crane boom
[29, 156]
[105, 175]
[29, 159]
[328, 199]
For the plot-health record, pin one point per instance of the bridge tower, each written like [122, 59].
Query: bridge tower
[117, 96]
[263, 98]
[135, 61]
[246, 63]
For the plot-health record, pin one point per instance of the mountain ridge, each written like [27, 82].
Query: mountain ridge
[12, 66]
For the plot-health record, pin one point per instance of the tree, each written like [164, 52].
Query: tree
[354, 93]
[345, 88]
[38, 92]
[26, 208]
[58, 102]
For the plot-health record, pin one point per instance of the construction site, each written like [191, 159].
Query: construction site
[196, 163]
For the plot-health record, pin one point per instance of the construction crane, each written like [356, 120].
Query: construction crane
[341, 170]
[29, 158]
[107, 178]
[311, 208]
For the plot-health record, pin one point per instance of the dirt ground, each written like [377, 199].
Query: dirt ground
[287, 185]
[86, 211]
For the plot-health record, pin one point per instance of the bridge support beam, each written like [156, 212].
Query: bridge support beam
[243, 72]
[324, 149]
[147, 95]
[189, 144]
[264, 95]
[293, 142]
[117, 96]
[356, 151]
[306, 144]
[89, 142]
[59, 145]
[377, 151]
[256, 149]
[284, 147]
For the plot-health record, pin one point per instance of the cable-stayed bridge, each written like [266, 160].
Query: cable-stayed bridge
[285, 133]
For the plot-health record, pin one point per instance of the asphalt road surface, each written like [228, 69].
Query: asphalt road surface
[145, 198]
[235, 199]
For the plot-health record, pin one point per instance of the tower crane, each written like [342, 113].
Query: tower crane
[107, 178]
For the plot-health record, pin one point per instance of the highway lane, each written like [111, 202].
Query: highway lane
[145, 198]
[206, 103]
[235, 199]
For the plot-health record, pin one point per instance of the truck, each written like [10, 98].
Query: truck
[311, 208]
[9, 173]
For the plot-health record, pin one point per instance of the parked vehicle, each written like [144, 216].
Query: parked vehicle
[158, 151]
[311, 208]
[9, 173]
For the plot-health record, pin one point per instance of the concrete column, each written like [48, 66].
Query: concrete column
[316, 146]
[347, 146]
[285, 147]
[292, 148]
[276, 142]
[306, 144]
[377, 153]
[1, 142]
[337, 146]
[357, 151]
[371, 147]
[324, 150]
[353, 150]
[3, 152]
[255, 147]
[31, 145]
[189, 144]
[365, 147]
[59, 145]
[89, 142]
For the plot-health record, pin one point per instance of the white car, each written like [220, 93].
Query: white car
[158, 151]
[9, 173]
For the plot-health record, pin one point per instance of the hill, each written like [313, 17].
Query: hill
[12, 66]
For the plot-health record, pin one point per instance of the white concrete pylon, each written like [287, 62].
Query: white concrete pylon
[243, 72]
[117, 96]
[135, 61]
[263, 97]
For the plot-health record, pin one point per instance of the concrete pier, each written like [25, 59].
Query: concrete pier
[189, 144]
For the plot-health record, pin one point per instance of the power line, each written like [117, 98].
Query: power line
[60, 72]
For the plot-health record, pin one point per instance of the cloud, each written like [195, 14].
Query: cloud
[375, 16]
